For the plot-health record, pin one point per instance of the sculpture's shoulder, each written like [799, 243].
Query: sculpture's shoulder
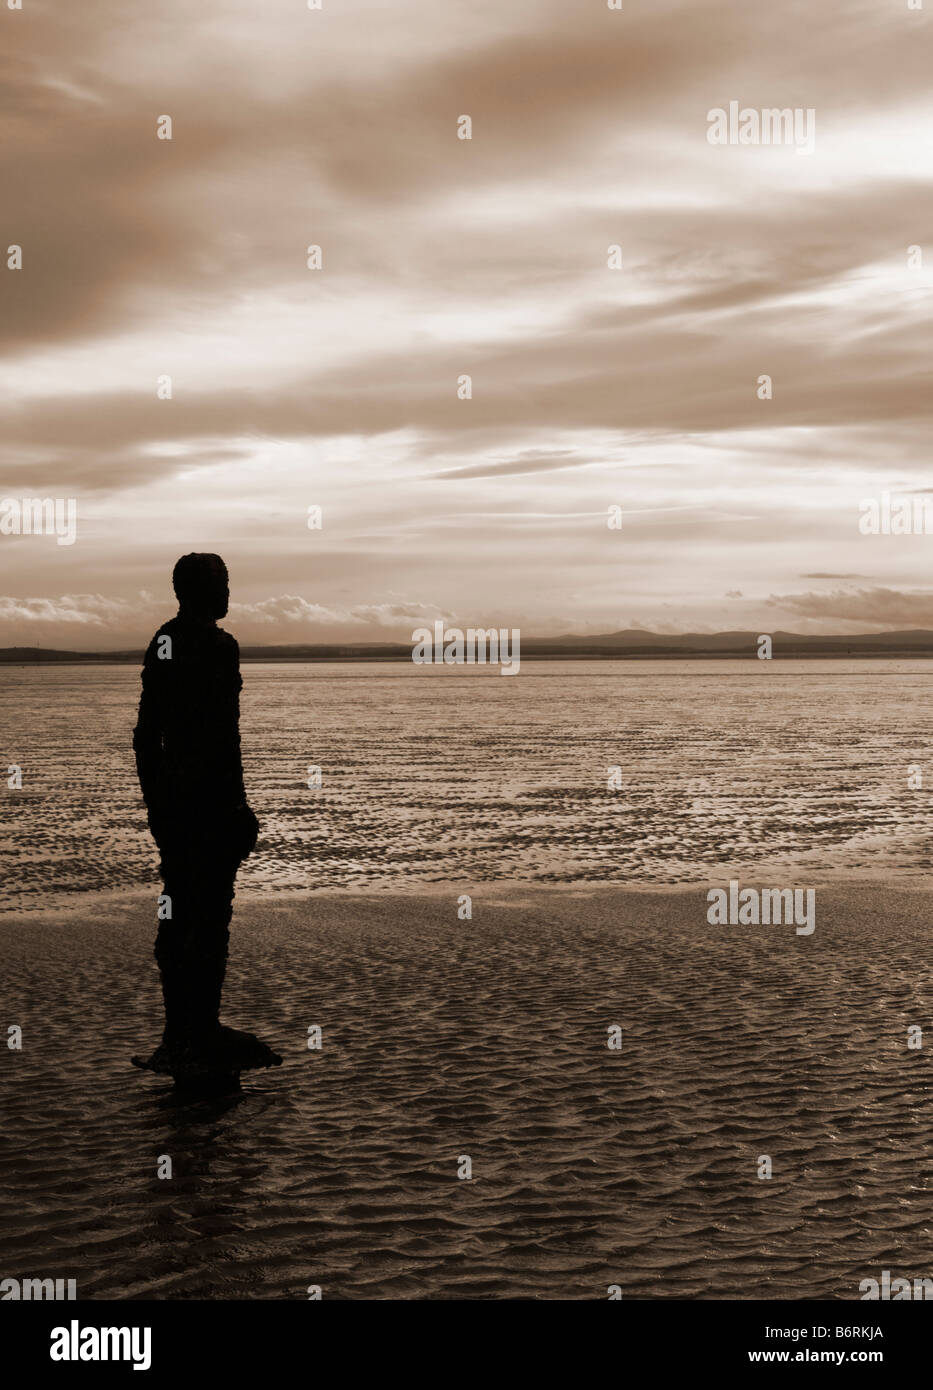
[158, 647]
[229, 652]
[228, 646]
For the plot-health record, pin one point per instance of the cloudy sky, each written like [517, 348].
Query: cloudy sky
[592, 387]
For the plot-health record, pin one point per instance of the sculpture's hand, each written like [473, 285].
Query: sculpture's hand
[158, 822]
[247, 830]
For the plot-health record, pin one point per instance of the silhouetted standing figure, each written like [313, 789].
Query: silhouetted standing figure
[187, 746]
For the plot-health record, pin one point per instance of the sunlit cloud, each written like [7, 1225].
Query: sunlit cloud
[613, 286]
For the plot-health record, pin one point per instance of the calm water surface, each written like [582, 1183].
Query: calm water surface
[460, 775]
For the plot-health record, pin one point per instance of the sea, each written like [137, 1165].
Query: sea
[396, 776]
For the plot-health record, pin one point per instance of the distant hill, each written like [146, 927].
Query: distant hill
[918, 640]
[632, 643]
[27, 656]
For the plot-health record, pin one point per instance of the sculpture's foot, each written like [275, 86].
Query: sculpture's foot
[239, 1051]
[161, 1061]
[192, 1075]
[223, 1053]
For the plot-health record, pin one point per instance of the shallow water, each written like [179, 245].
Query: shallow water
[434, 775]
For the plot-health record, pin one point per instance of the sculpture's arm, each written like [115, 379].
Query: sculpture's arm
[247, 824]
[147, 736]
[234, 755]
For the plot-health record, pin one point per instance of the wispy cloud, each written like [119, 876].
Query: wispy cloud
[637, 387]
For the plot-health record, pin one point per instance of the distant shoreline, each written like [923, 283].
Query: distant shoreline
[601, 655]
[105, 660]
[632, 644]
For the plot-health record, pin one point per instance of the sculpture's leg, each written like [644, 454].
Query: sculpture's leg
[201, 951]
[191, 949]
[168, 956]
[208, 946]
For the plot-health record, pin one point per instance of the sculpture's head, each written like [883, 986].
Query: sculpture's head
[202, 585]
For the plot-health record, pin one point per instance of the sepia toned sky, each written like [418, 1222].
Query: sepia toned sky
[592, 387]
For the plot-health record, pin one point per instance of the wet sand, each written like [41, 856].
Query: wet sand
[487, 1038]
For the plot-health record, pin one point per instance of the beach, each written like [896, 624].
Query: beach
[444, 1039]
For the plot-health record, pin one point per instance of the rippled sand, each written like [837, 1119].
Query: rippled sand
[485, 1038]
